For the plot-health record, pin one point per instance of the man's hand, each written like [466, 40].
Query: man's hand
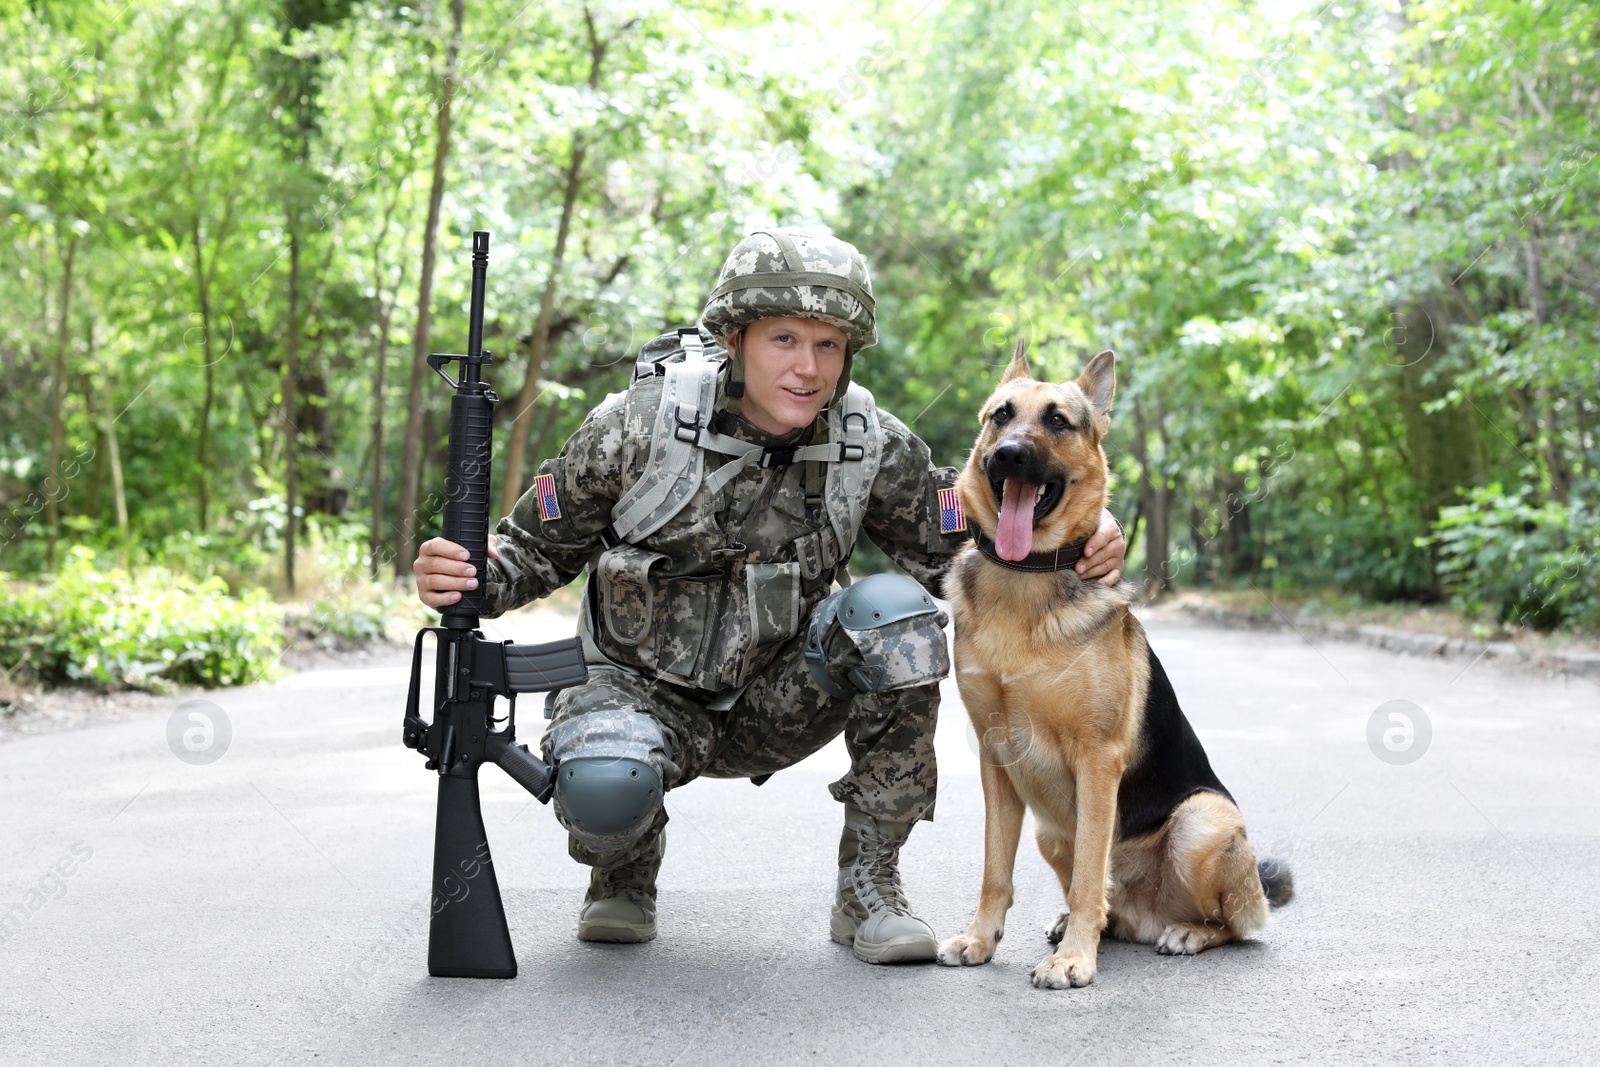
[1103, 555]
[442, 570]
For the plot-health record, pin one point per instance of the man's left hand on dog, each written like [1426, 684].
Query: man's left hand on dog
[1103, 555]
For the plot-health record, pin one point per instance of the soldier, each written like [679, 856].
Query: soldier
[714, 504]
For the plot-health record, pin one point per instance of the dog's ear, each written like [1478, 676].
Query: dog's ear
[1018, 367]
[1099, 383]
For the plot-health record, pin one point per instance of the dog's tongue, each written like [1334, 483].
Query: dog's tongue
[1013, 539]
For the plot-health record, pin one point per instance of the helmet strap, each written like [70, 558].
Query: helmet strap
[736, 374]
[731, 402]
[844, 378]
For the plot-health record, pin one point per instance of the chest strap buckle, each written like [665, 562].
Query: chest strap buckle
[778, 457]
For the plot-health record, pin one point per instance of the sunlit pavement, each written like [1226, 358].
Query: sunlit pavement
[271, 906]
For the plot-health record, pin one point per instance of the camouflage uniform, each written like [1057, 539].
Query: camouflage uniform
[731, 557]
[715, 645]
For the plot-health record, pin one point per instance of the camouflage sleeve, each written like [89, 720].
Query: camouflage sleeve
[554, 530]
[903, 515]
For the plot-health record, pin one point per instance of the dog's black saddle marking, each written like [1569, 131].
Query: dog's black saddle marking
[1170, 767]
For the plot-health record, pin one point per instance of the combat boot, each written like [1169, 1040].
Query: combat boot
[620, 905]
[871, 913]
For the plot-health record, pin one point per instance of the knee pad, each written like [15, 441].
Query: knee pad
[608, 785]
[895, 626]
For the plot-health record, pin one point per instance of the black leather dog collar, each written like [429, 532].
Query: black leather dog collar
[1060, 559]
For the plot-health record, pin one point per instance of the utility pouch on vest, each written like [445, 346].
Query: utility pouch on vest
[774, 592]
[627, 594]
[756, 610]
[651, 622]
[818, 554]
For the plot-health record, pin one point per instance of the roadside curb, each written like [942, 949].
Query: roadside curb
[1579, 662]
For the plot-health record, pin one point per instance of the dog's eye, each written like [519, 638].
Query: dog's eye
[1059, 421]
[1002, 415]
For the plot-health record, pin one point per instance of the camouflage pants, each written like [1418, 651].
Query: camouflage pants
[783, 717]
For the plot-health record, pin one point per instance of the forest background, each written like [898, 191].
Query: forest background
[1348, 254]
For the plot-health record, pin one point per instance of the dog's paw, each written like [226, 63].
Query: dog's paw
[1063, 972]
[1183, 939]
[1058, 929]
[967, 950]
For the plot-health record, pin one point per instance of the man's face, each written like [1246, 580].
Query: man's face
[791, 367]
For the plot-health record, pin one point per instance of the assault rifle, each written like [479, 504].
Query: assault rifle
[467, 934]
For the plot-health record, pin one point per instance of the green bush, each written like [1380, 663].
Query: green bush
[361, 611]
[143, 629]
[1521, 564]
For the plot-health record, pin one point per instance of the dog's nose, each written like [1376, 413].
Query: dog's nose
[1011, 457]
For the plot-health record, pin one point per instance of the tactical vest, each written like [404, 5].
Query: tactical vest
[670, 596]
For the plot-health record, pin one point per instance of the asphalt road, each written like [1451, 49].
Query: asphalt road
[271, 907]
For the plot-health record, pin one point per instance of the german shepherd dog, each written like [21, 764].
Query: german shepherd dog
[1074, 715]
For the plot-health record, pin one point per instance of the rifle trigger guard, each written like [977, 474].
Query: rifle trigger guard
[415, 730]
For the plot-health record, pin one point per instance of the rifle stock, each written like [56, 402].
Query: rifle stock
[467, 932]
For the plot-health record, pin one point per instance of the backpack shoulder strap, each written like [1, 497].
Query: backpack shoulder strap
[688, 344]
[854, 423]
[680, 436]
[676, 463]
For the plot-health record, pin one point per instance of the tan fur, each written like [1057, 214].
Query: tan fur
[1054, 685]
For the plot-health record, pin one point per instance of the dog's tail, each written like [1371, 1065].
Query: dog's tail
[1277, 881]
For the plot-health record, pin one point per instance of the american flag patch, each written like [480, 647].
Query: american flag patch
[544, 487]
[951, 518]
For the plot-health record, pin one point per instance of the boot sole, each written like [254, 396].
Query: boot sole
[842, 929]
[615, 931]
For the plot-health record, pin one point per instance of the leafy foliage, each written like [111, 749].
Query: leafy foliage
[117, 629]
[1515, 562]
[1347, 257]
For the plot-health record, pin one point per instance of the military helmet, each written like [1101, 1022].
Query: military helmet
[794, 273]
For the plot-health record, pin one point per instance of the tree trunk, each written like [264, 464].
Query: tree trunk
[315, 476]
[375, 540]
[1437, 440]
[543, 436]
[54, 490]
[119, 496]
[91, 410]
[1157, 554]
[108, 431]
[1134, 525]
[1550, 437]
[1368, 460]
[1585, 458]
[1346, 479]
[385, 313]
[202, 455]
[1155, 503]
[406, 549]
[1236, 543]
[511, 487]
[291, 361]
